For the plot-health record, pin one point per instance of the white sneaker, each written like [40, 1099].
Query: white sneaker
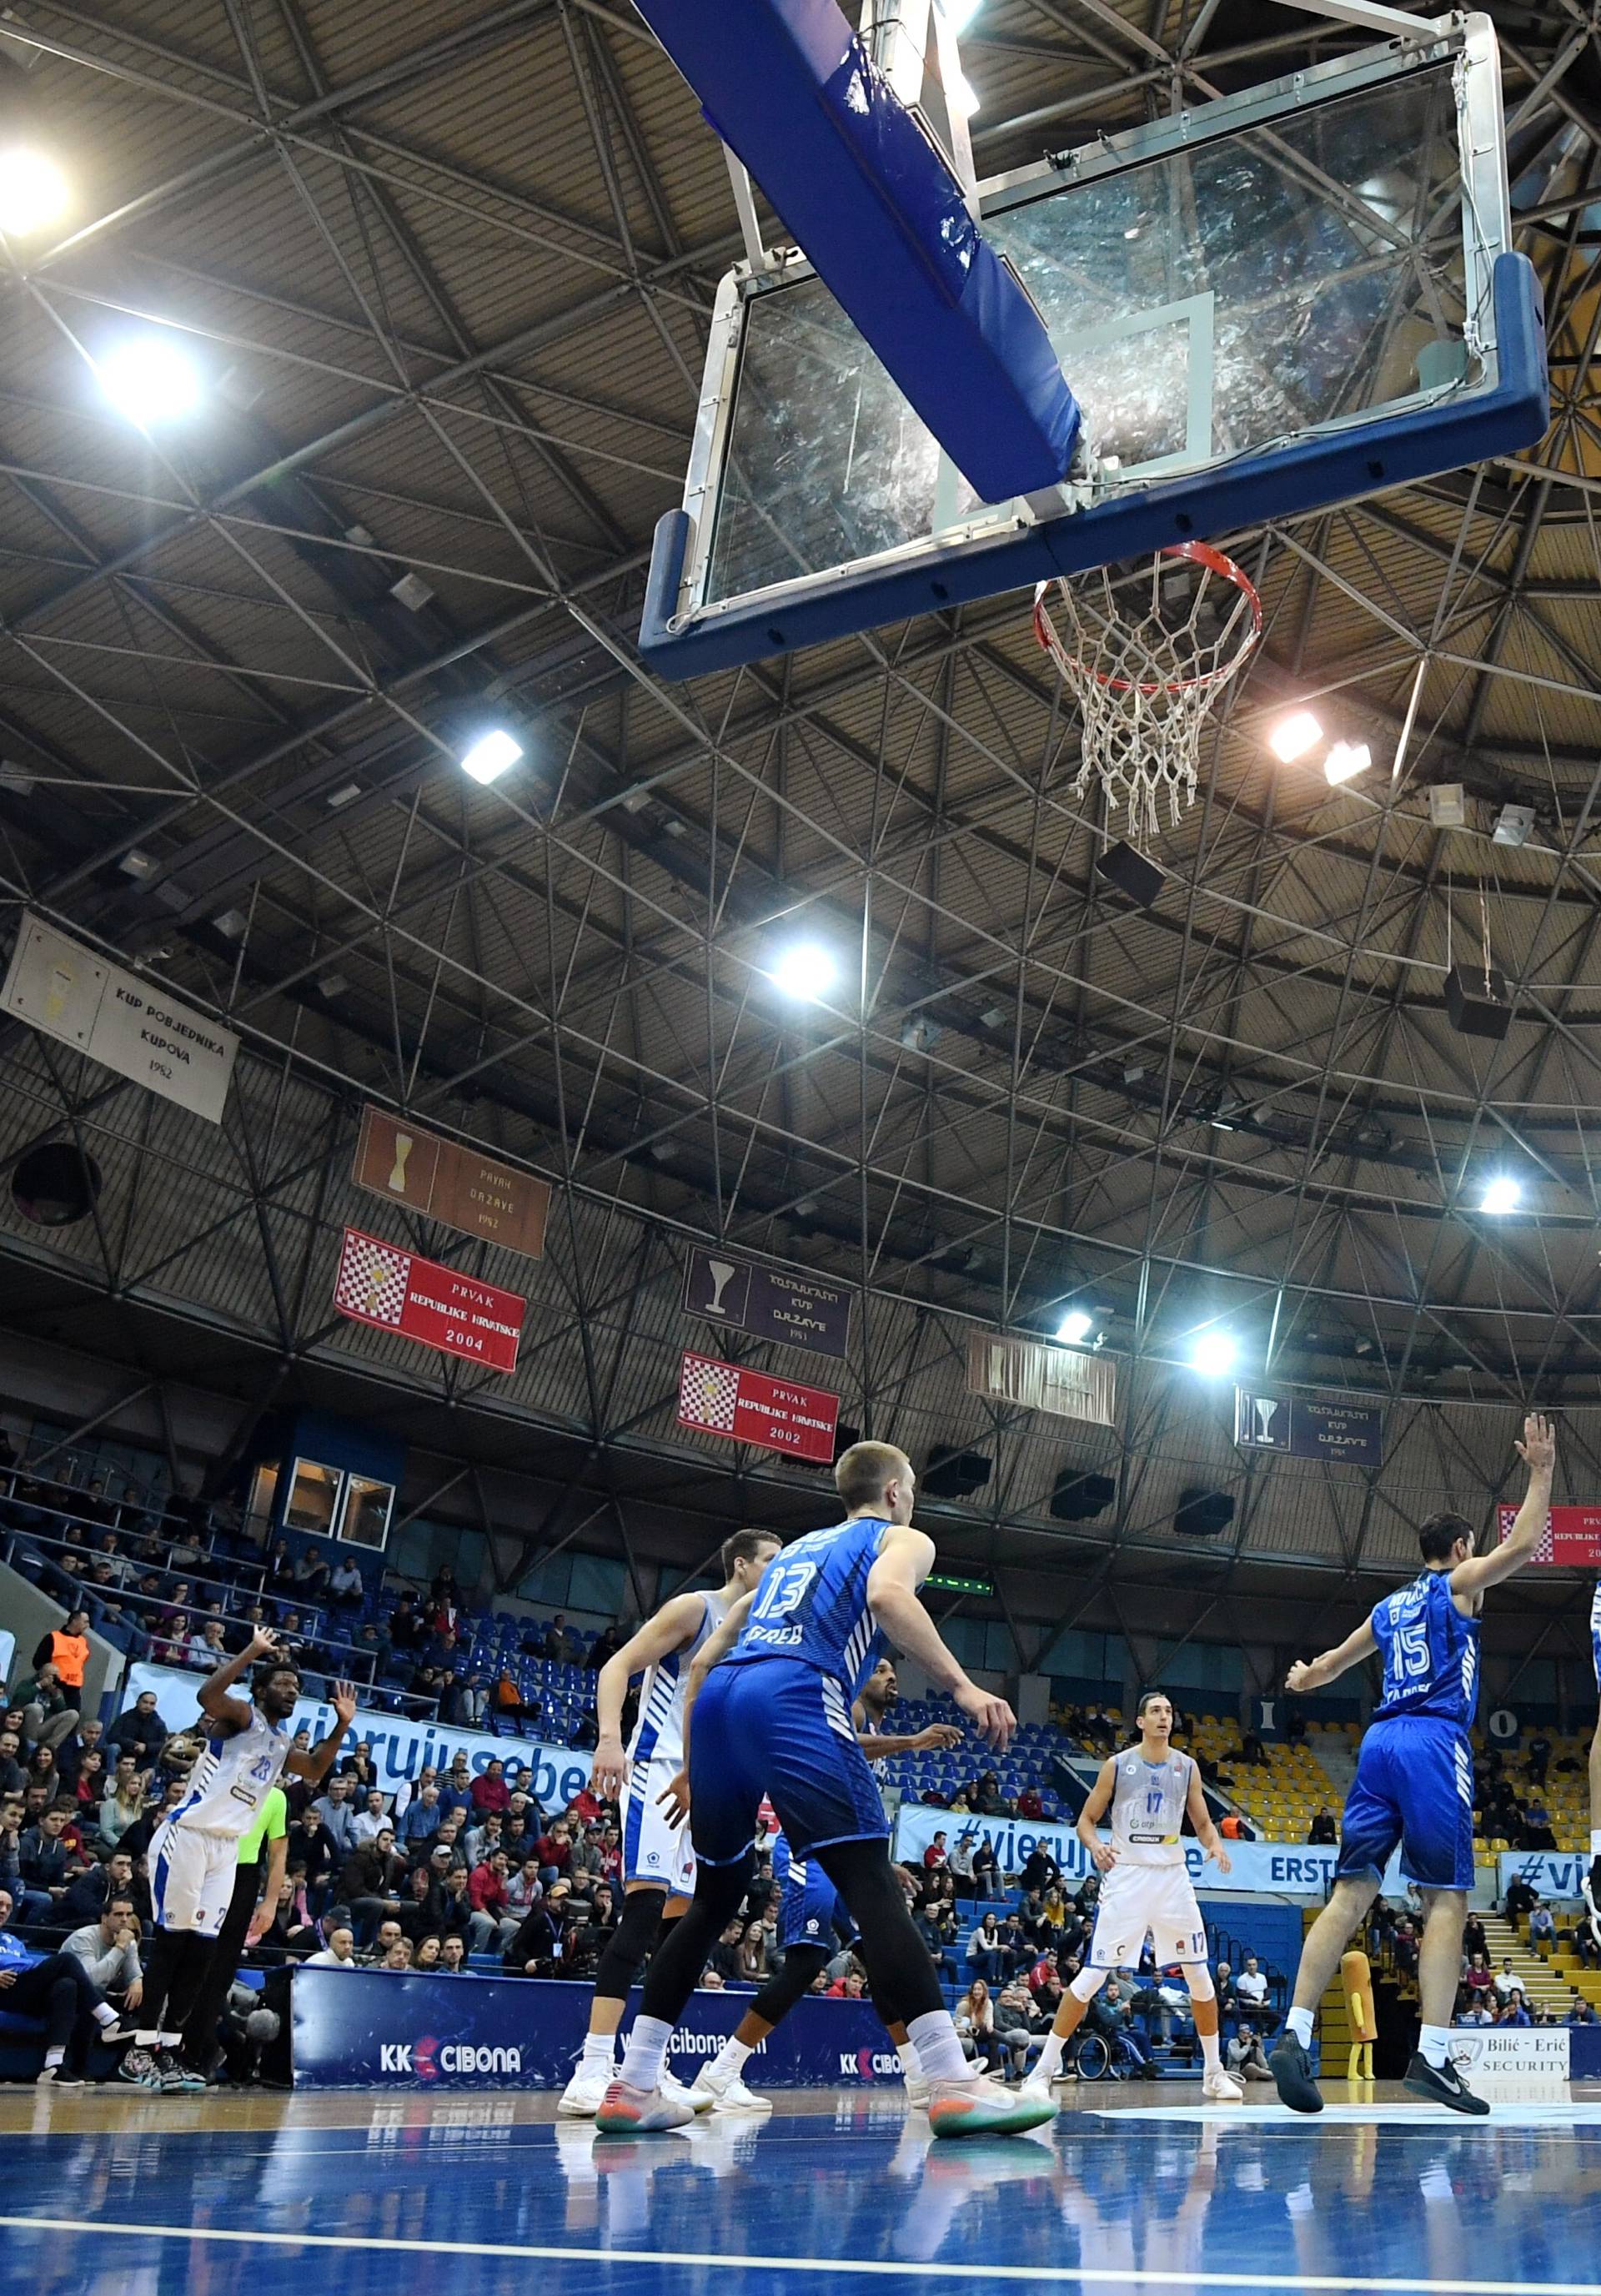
[1034, 2086]
[694, 2100]
[1220, 2088]
[917, 2090]
[581, 2097]
[726, 2093]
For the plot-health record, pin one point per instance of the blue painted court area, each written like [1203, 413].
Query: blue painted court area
[386, 2197]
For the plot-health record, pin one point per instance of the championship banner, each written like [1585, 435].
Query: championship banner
[1069, 1383]
[377, 2029]
[1310, 1427]
[1258, 1869]
[773, 1304]
[1572, 1538]
[477, 1194]
[401, 1744]
[1553, 1872]
[385, 1285]
[119, 1020]
[776, 1414]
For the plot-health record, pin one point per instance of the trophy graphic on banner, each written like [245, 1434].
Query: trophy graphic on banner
[403, 1146]
[722, 1274]
[1265, 1410]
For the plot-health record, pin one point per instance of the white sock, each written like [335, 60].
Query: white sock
[731, 2057]
[1211, 2055]
[1434, 2044]
[53, 2058]
[147, 2037]
[1300, 2022]
[647, 2047]
[1049, 2061]
[907, 2051]
[599, 2049]
[103, 2013]
[939, 2052]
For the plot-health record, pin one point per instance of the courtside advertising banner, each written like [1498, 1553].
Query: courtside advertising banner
[1551, 1873]
[378, 2030]
[1492, 2053]
[1266, 1869]
[400, 1744]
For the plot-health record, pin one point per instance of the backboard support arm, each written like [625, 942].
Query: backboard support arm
[1368, 16]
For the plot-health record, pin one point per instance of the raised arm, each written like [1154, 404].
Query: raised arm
[1314, 1673]
[216, 1703]
[904, 1561]
[669, 1629]
[1538, 1452]
[1097, 1801]
[316, 1762]
[937, 1738]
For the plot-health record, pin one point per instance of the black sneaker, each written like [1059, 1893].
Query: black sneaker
[1442, 2085]
[1292, 2069]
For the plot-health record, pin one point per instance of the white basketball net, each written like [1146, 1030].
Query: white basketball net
[1146, 664]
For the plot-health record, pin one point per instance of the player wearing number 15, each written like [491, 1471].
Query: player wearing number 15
[1414, 1781]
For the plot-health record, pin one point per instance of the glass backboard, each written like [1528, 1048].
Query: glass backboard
[1278, 301]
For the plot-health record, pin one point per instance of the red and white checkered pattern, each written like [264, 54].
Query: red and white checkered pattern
[707, 1393]
[374, 1279]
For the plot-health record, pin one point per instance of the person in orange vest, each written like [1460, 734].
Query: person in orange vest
[1230, 1827]
[67, 1649]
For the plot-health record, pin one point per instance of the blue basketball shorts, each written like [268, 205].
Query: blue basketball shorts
[778, 1728]
[809, 1909]
[1413, 1790]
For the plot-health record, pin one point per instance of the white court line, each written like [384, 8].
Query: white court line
[878, 2268]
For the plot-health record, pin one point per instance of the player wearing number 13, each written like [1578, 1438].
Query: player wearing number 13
[1413, 1787]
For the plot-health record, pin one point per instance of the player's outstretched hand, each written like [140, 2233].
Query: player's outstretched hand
[1538, 1450]
[344, 1703]
[937, 1738]
[264, 1644]
[607, 1771]
[1296, 1679]
[990, 1716]
[674, 1799]
[1222, 1859]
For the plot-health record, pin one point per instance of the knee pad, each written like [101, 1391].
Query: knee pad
[624, 1956]
[1199, 1979]
[1088, 1983]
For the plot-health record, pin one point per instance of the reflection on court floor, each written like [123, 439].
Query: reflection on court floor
[385, 2197]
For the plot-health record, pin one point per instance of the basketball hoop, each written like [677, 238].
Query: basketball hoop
[1145, 682]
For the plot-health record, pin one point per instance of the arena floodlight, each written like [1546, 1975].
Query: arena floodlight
[1075, 1327]
[1345, 761]
[1213, 1354]
[805, 970]
[150, 380]
[491, 755]
[1501, 1195]
[33, 191]
[1293, 736]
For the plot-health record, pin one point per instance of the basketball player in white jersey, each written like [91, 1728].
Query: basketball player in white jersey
[658, 1863]
[1146, 1889]
[194, 1852]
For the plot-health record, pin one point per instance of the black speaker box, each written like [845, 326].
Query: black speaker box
[1473, 1010]
[1131, 872]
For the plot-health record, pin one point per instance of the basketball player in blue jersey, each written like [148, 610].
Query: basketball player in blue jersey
[658, 1865]
[774, 1719]
[1592, 1882]
[1414, 1779]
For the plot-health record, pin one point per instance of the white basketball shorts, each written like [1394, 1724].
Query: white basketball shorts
[655, 1849]
[192, 1877]
[1137, 1900]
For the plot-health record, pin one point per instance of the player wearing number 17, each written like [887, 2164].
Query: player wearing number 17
[1414, 1778]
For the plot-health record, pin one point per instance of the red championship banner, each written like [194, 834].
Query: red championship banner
[383, 1284]
[1572, 1539]
[724, 1398]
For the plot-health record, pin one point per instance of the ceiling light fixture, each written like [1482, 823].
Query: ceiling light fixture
[1213, 1354]
[150, 380]
[1293, 736]
[1075, 1327]
[33, 191]
[805, 970]
[1501, 1195]
[1345, 761]
[491, 755]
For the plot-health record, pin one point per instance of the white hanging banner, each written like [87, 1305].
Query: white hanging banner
[1070, 1381]
[67, 992]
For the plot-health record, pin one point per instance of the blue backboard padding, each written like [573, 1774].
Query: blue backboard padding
[881, 218]
[1307, 474]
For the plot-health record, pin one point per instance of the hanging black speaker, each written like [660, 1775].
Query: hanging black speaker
[1131, 872]
[1476, 1003]
[1202, 1513]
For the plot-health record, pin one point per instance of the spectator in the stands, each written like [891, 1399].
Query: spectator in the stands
[13, 1777]
[559, 1648]
[1514, 2010]
[1245, 2058]
[452, 1957]
[281, 1569]
[986, 1870]
[753, 1967]
[420, 1819]
[310, 1846]
[937, 1853]
[1539, 1758]
[1521, 1897]
[140, 1731]
[370, 1881]
[89, 1892]
[1116, 2023]
[171, 1646]
[1251, 1985]
[1543, 1926]
[1581, 2012]
[337, 1809]
[48, 1713]
[605, 1644]
[339, 1953]
[404, 1626]
[44, 1866]
[109, 1949]
[1227, 1999]
[986, 1952]
[455, 1788]
[371, 1819]
[535, 1948]
[345, 1583]
[66, 1648]
[1473, 1939]
[206, 1649]
[1322, 1831]
[359, 1767]
[490, 1792]
[1030, 1804]
[1040, 1869]
[55, 1987]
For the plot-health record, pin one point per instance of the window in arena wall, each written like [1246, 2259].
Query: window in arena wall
[314, 1498]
